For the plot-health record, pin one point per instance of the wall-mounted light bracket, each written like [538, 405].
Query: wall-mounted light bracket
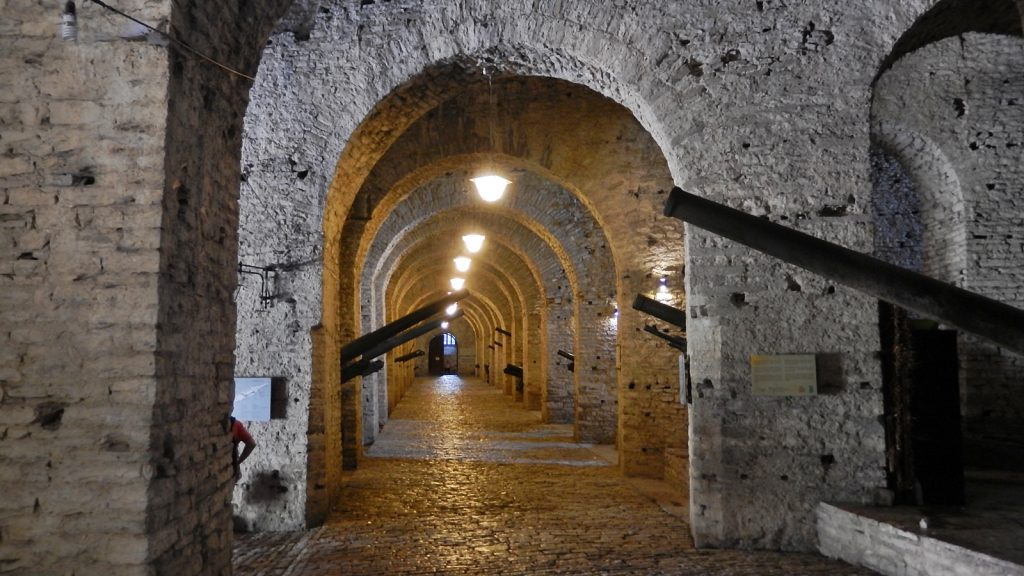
[268, 282]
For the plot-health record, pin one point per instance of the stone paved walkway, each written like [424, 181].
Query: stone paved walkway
[462, 481]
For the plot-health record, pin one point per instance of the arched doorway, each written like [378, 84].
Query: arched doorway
[443, 355]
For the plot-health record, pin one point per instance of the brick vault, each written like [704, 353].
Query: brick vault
[137, 180]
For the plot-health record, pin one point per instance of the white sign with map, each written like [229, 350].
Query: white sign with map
[252, 399]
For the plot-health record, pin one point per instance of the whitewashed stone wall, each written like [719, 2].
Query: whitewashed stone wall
[79, 280]
[119, 179]
[958, 107]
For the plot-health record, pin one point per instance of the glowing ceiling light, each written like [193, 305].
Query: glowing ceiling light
[663, 294]
[462, 263]
[473, 242]
[452, 309]
[490, 187]
[444, 325]
[458, 283]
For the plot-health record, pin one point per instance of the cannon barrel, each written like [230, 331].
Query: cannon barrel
[571, 366]
[370, 340]
[360, 369]
[502, 331]
[513, 370]
[660, 311]
[968, 311]
[673, 341]
[385, 346]
[499, 344]
[410, 356]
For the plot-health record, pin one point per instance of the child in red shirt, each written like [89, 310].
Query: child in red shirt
[240, 435]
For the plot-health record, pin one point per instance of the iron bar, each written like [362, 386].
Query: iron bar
[385, 346]
[410, 356]
[673, 341]
[660, 311]
[360, 345]
[968, 311]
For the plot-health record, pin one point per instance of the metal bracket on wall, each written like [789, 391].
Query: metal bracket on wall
[268, 282]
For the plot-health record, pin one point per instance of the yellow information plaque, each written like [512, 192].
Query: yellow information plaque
[784, 375]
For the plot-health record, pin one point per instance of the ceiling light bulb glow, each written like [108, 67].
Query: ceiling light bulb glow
[474, 242]
[491, 187]
[452, 309]
[444, 325]
[458, 283]
[462, 263]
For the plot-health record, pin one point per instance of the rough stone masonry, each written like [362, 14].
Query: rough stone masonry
[134, 176]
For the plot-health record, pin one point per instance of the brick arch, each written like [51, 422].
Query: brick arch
[310, 132]
[544, 126]
[503, 289]
[620, 45]
[481, 310]
[943, 207]
[950, 109]
[579, 248]
[554, 392]
[484, 300]
[518, 292]
[446, 197]
[547, 390]
[950, 18]
[489, 295]
[489, 287]
[376, 394]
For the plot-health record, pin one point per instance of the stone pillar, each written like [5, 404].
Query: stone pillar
[595, 376]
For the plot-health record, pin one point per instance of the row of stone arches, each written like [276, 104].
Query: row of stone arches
[415, 168]
[766, 107]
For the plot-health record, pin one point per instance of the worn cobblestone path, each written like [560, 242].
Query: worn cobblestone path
[462, 481]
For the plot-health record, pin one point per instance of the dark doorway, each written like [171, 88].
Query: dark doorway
[444, 355]
[920, 378]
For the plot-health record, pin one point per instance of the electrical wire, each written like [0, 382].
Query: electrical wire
[491, 113]
[184, 45]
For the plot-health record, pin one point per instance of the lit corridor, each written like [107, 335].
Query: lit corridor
[464, 481]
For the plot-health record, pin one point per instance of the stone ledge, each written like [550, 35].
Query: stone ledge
[845, 534]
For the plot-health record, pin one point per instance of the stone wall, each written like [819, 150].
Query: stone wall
[296, 471]
[119, 209]
[82, 186]
[763, 106]
[465, 339]
[897, 212]
[119, 167]
[653, 428]
[957, 106]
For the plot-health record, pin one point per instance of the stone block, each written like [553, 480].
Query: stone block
[74, 112]
[15, 165]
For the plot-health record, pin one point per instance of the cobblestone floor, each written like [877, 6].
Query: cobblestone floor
[462, 481]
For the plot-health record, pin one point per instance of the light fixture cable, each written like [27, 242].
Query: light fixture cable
[181, 43]
[491, 111]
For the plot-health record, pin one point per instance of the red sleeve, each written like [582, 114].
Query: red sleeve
[240, 434]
